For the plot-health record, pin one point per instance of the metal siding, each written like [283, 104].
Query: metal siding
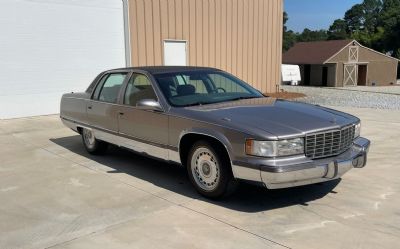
[243, 37]
[245, 48]
[269, 48]
[212, 29]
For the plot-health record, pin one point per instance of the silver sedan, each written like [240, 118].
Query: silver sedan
[217, 126]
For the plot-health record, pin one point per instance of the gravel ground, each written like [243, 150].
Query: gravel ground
[349, 98]
[377, 89]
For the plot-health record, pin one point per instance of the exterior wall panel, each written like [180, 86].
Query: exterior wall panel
[243, 37]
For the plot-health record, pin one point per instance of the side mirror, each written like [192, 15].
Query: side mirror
[149, 104]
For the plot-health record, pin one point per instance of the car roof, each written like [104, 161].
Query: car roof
[166, 69]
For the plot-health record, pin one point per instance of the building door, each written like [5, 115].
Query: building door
[307, 74]
[175, 53]
[325, 76]
[350, 75]
[362, 75]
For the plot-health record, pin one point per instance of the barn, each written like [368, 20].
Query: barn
[341, 63]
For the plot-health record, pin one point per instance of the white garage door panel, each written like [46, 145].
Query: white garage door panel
[49, 47]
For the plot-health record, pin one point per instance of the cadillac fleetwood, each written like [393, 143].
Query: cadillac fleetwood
[217, 126]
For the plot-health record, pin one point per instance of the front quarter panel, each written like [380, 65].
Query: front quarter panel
[233, 140]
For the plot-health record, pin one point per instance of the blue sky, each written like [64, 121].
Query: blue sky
[315, 14]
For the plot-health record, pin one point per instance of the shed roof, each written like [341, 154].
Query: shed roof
[313, 52]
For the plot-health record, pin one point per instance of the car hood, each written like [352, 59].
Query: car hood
[271, 117]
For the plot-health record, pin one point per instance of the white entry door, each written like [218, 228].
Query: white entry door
[174, 53]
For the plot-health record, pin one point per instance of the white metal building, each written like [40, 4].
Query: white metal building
[49, 47]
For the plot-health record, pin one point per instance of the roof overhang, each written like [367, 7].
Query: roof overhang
[358, 44]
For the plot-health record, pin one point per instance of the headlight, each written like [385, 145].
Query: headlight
[357, 130]
[275, 148]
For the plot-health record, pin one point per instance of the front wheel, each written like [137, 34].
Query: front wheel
[93, 145]
[209, 170]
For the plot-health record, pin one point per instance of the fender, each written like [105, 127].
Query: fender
[209, 133]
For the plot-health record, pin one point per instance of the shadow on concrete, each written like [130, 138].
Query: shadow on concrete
[247, 198]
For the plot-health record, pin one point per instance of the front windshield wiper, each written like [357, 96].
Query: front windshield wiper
[248, 97]
[208, 103]
[197, 103]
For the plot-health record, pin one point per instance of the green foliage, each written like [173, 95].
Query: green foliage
[289, 37]
[354, 19]
[338, 30]
[374, 23]
[310, 35]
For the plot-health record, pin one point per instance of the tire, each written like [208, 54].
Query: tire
[209, 170]
[93, 145]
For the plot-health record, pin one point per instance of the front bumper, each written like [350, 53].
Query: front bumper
[284, 173]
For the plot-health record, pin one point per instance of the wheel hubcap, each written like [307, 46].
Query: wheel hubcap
[88, 137]
[205, 169]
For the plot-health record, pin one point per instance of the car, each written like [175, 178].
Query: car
[217, 126]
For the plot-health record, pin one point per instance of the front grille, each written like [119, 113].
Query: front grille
[329, 143]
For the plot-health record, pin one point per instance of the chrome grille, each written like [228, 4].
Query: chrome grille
[329, 143]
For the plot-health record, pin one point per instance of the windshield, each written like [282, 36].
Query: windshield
[203, 87]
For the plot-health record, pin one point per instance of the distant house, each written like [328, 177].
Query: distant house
[341, 63]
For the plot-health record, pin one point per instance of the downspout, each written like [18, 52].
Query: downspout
[125, 7]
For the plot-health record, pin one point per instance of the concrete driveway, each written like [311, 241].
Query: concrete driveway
[55, 195]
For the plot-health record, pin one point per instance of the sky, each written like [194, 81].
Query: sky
[315, 14]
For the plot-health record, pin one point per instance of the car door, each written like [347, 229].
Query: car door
[143, 130]
[102, 109]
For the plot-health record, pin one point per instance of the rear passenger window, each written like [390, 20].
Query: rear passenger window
[108, 89]
[138, 88]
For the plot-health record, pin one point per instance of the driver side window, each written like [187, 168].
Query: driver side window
[139, 87]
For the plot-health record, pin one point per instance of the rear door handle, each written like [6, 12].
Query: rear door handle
[121, 113]
[89, 107]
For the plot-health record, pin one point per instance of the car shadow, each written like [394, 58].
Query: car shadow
[173, 177]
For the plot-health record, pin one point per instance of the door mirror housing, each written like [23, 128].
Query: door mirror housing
[149, 104]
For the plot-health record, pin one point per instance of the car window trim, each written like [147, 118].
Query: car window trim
[125, 87]
[101, 83]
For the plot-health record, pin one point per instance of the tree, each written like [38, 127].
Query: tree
[390, 21]
[289, 37]
[338, 30]
[312, 35]
[371, 9]
[354, 19]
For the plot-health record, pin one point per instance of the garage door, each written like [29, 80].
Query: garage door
[49, 47]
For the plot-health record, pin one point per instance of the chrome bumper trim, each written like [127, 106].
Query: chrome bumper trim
[307, 172]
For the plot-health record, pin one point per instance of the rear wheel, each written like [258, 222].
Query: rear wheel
[209, 170]
[92, 145]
